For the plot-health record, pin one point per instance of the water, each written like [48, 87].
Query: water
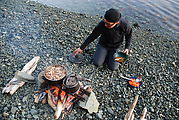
[158, 15]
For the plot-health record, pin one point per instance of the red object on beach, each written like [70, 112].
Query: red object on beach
[134, 81]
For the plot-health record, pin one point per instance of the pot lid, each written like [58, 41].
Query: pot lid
[55, 72]
[75, 58]
[71, 81]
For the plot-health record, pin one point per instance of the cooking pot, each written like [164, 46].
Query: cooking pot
[55, 72]
[71, 84]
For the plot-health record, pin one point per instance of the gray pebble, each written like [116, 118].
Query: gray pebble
[33, 111]
[89, 116]
[110, 110]
[30, 29]
[13, 110]
[5, 114]
[100, 114]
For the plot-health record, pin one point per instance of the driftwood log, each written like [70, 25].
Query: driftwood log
[142, 117]
[50, 101]
[15, 82]
[130, 114]
[58, 110]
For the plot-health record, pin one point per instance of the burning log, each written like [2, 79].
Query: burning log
[65, 101]
[40, 96]
[57, 105]
[21, 77]
[36, 97]
[70, 100]
[128, 116]
[44, 100]
[58, 110]
[50, 101]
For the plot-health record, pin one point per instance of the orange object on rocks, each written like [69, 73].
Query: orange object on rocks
[134, 81]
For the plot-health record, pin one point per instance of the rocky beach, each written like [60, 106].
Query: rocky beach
[29, 29]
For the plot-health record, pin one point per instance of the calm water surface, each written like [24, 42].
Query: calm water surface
[159, 15]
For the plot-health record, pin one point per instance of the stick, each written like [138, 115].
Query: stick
[129, 79]
[28, 68]
[125, 77]
[132, 116]
[142, 117]
[131, 109]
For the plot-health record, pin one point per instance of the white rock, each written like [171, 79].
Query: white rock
[91, 104]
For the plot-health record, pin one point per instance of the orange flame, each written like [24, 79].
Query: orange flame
[56, 90]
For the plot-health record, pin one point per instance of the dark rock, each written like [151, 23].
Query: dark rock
[136, 24]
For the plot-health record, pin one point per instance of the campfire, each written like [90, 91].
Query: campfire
[62, 91]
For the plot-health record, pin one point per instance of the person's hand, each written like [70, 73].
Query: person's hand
[78, 51]
[126, 51]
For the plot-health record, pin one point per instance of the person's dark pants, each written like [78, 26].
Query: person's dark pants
[102, 55]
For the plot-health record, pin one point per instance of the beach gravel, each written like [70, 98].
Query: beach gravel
[29, 29]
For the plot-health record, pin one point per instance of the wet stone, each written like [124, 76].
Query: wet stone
[152, 109]
[5, 114]
[6, 108]
[110, 110]
[29, 116]
[100, 114]
[13, 110]
[36, 117]
[33, 112]
[89, 116]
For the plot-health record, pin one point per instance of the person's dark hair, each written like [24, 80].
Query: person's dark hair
[112, 15]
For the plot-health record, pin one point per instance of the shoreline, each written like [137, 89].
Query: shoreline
[29, 29]
[144, 20]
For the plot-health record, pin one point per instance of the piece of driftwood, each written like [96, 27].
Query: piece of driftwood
[44, 100]
[15, 82]
[50, 101]
[142, 117]
[36, 99]
[40, 96]
[59, 109]
[131, 109]
[91, 104]
[132, 116]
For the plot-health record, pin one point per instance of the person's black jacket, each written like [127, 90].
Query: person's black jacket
[110, 38]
